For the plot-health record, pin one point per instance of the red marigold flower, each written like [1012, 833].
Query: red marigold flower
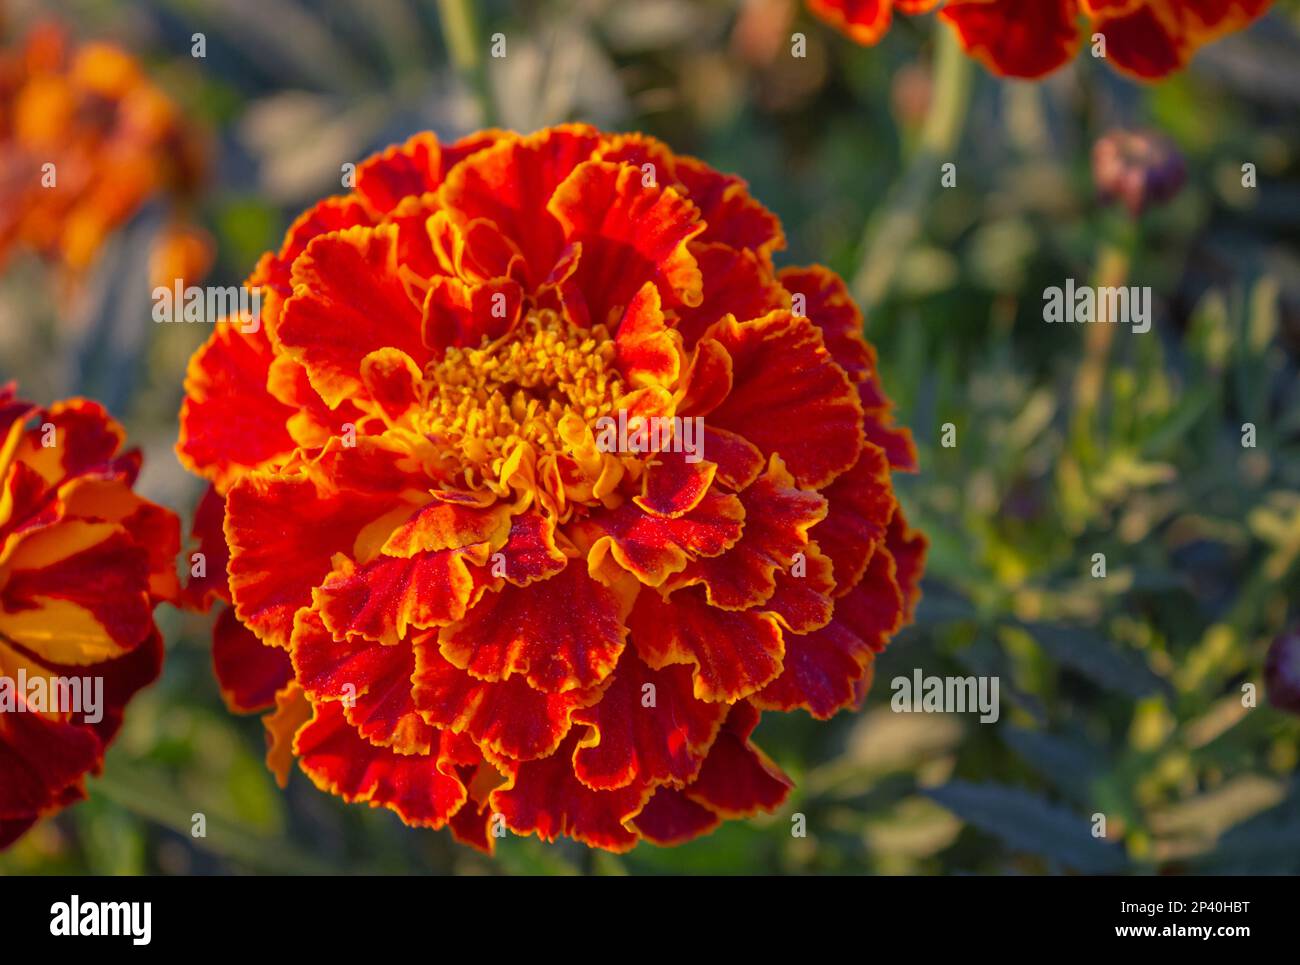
[866, 21]
[83, 561]
[465, 596]
[1030, 38]
[85, 140]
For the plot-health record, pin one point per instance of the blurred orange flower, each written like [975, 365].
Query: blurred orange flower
[85, 140]
[1030, 38]
[83, 561]
[538, 484]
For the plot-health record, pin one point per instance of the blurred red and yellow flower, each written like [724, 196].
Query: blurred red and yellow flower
[1031, 38]
[462, 603]
[85, 140]
[83, 561]
[866, 21]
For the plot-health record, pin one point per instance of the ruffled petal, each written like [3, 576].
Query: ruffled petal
[349, 301]
[629, 232]
[1016, 38]
[562, 634]
[735, 653]
[422, 789]
[250, 672]
[509, 717]
[647, 726]
[789, 397]
[545, 797]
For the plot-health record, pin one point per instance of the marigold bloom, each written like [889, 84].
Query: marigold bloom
[866, 21]
[83, 561]
[85, 140]
[1030, 38]
[463, 603]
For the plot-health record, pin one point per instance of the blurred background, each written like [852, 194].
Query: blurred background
[1143, 695]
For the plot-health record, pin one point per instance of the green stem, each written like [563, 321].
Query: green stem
[891, 231]
[1115, 250]
[460, 29]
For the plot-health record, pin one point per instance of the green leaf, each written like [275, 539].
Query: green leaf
[1027, 822]
[1099, 660]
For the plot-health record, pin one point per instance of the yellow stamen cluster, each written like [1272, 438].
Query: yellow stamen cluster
[485, 402]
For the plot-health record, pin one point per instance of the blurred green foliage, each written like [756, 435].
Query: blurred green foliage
[1121, 696]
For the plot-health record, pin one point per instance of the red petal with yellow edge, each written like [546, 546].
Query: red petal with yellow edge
[1154, 39]
[330, 669]
[739, 460]
[291, 714]
[653, 548]
[508, 718]
[249, 672]
[647, 726]
[821, 669]
[828, 304]
[510, 184]
[1016, 38]
[331, 214]
[85, 440]
[472, 825]
[39, 758]
[673, 485]
[629, 232]
[530, 553]
[471, 144]
[457, 313]
[736, 282]
[274, 519]
[789, 397]
[860, 504]
[229, 421]
[738, 779]
[382, 599]
[452, 520]
[804, 602]
[385, 713]
[564, 633]
[421, 789]
[545, 797]
[393, 382]
[708, 380]
[649, 353]
[411, 168]
[26, 504]
[348, 301]
[864, 21]
[731, 214]
[735, 652]
[313, 423]
[778, 516]
[671, 818]
[77, 593]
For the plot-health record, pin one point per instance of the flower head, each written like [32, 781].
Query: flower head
[85, 140]
[1138, 168]
[1148, 39]
[83, 561]
[538, 484]
[1282, 672]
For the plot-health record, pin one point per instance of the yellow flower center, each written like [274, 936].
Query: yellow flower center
[538, 388]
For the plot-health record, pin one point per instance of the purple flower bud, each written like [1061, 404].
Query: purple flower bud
[1282, 672]
[1139, 168]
